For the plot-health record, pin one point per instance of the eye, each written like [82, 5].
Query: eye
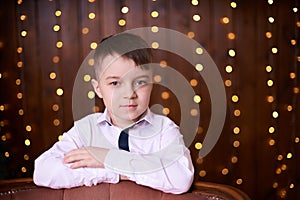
[141, 82]
[114, 83]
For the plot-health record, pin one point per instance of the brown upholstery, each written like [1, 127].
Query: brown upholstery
[24, 189]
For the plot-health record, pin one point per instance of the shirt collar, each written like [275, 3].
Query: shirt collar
[148, 117]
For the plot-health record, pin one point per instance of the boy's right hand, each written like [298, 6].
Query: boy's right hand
[86, 157]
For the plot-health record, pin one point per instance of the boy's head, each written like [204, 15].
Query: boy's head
[124, 44]
[123, 78]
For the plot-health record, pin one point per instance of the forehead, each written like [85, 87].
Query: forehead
[121, 67]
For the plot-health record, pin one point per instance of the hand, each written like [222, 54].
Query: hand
[86, 157]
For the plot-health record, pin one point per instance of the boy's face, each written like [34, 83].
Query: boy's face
[125, 89]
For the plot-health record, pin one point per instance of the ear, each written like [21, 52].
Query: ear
[96, 87]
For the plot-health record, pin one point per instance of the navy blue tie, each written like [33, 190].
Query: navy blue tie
[123, 140]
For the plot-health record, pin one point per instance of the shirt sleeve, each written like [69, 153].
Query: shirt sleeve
[169, 170]
[50, 171]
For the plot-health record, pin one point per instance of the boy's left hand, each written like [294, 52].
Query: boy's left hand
[86, 157]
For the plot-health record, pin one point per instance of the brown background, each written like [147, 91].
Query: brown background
[263, 169]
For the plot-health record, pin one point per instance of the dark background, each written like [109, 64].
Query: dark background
[262, 163]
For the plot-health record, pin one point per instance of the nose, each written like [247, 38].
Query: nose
[129, 92]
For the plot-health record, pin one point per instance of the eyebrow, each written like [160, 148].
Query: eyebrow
[117, 77]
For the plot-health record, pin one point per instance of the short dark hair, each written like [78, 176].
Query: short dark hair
[126, 45]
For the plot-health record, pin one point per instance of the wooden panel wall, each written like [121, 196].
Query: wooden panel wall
[257, 152]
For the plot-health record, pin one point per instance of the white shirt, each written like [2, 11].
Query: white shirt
[158, 157]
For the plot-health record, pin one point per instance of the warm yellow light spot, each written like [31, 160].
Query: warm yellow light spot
[26, 157]
[28, 128]
[27, 142]
[289, 155]
[195, 2]
[86, 78]
[289, 108]
[298, 24]
[225, 171]
[279, 157]
[23, 169]
[2, 107]
[296, 90]
[239, 181]
[20, 2]
[163, 63]
[278, 171]
[275, 185]
[57, 13]
[270, 99]
[268, 35]
[293, 42]
[225, 20]
[237, 112]
[199, 67]
[297, 140]
[154, 29]
[291, 186]
[85, 30]
[124, 9]
[233, 4]
[19, 95]
[19, 50]
[196, 18]
[23, 33]
[231, 52]
[154, 14]
[270, 83]
[155, 45]
[228, 83]
[6, 154]
[56, 28]
[165, 95]
[199, 160]
[228, 69]
[283, 167]
[198, 145]
[236, 130]
[197, 99]
[52, 75]
[3, 138]
[275, 114]
[271, 20]
[18, 81]
[194, 112]
[202, 173]
[56, 122]
[59, 137]
[271, 129]
[236, 143]
[274, 50]
[193, 82]
[191, 34]
[21, 112]
[199, 50]
[234, 98]
[96, 109]
[268, 68]
[231, 36]
[55, 107]
[271, 142]
[166, 111]
[93, 45]
[295, 9]
[55, 59]
[59, 44]
[59, 91]
[23, 17]
[91, 94]
[19, 64]
[292, 75]
[92, 15]
[122, 22]
[157, 78]
[91, 61]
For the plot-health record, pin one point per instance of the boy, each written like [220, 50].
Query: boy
[125, 142]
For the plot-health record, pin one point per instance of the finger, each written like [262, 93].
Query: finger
[75, 156]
